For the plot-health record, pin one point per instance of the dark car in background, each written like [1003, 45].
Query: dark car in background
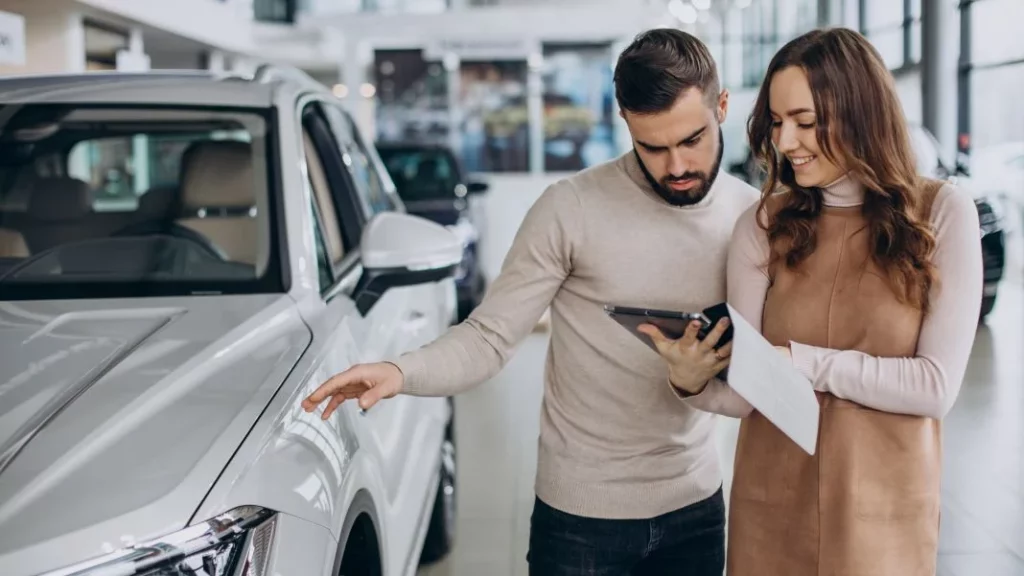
[991, 211]
[930, 163]
[432, 184]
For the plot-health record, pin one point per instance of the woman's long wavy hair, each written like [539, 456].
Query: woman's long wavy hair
[860, 125]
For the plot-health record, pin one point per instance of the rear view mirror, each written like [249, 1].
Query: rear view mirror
[403, 250]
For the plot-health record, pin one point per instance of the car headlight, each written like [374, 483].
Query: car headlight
[236, 543]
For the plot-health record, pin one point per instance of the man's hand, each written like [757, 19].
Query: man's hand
[369, 383]
[692, 362]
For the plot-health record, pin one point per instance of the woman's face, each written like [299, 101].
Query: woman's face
[794, 122]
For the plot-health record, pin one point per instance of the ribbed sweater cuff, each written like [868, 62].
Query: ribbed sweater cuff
[412, 374]
[686, 396]
[805, 360]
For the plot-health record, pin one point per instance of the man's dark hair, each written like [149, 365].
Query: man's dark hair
[654, 71]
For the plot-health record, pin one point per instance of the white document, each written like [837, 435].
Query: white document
[772, 385]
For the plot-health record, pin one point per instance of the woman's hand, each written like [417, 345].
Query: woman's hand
[691, 361]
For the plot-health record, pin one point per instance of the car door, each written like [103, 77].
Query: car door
[404, 432]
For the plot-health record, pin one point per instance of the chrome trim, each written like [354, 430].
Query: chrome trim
[146, 556]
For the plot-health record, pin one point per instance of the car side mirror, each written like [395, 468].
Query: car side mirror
[403, 250]
[477, 187]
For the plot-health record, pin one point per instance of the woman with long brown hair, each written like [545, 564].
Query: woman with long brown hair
[869, 277]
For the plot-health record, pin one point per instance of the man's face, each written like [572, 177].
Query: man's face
[681, 148]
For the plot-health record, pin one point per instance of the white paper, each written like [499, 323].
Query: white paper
[773, 386]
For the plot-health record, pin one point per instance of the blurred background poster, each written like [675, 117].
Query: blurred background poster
[578, 106]
[412, 98]
[495, 119]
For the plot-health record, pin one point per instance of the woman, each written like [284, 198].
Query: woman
[869, 278]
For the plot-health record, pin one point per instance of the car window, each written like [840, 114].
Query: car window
[119, 201]
[421, 173]
[373, 191]
[121, 169]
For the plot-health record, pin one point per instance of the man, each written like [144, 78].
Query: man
[628, 475]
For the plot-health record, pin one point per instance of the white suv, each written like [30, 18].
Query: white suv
[183, 258]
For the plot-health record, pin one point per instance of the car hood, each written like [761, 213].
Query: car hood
[117, 416]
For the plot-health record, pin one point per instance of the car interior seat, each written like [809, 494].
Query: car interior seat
[218, 200]
[12, 244]
[322, 191]
[58, 212]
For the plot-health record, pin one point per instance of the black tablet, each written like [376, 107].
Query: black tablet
[671, 323]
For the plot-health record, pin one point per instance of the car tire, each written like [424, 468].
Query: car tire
[987, 304]
[441, 532]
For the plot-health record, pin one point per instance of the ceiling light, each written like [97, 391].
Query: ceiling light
[340, 90]
[367, 90]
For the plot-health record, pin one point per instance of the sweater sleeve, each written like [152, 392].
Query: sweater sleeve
[746, 286]
[928, 383]
[538, 262]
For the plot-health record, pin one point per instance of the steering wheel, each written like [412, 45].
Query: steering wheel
[171, 229]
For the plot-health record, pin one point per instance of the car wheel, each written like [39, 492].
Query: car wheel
[441, 532]
[987, 303]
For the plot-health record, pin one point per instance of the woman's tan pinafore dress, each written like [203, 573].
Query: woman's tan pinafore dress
[867, 504]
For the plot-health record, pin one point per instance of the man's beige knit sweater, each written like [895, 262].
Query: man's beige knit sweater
[615, 441]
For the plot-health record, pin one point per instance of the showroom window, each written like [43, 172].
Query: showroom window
[495, 133]
[578, 106]
[883, 26]
[412, 98]
[996, 74]
[996, 31]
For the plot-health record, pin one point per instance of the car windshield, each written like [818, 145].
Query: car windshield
[119, 201]
[421, 174]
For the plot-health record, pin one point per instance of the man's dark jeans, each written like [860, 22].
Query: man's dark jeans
[686, 542]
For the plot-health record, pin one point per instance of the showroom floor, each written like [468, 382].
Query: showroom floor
[983, 504]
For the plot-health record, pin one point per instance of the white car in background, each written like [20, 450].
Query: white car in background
[183, 258]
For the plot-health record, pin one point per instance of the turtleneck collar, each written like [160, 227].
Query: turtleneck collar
[844, 192]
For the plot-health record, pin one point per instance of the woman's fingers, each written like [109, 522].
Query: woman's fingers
[689, 337]
[661, 342]
[724, 351]
[712, 338]
[721, 365]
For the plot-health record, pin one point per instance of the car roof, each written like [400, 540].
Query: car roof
[197, 88]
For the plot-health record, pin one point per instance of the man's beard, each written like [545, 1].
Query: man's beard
[685, 197]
